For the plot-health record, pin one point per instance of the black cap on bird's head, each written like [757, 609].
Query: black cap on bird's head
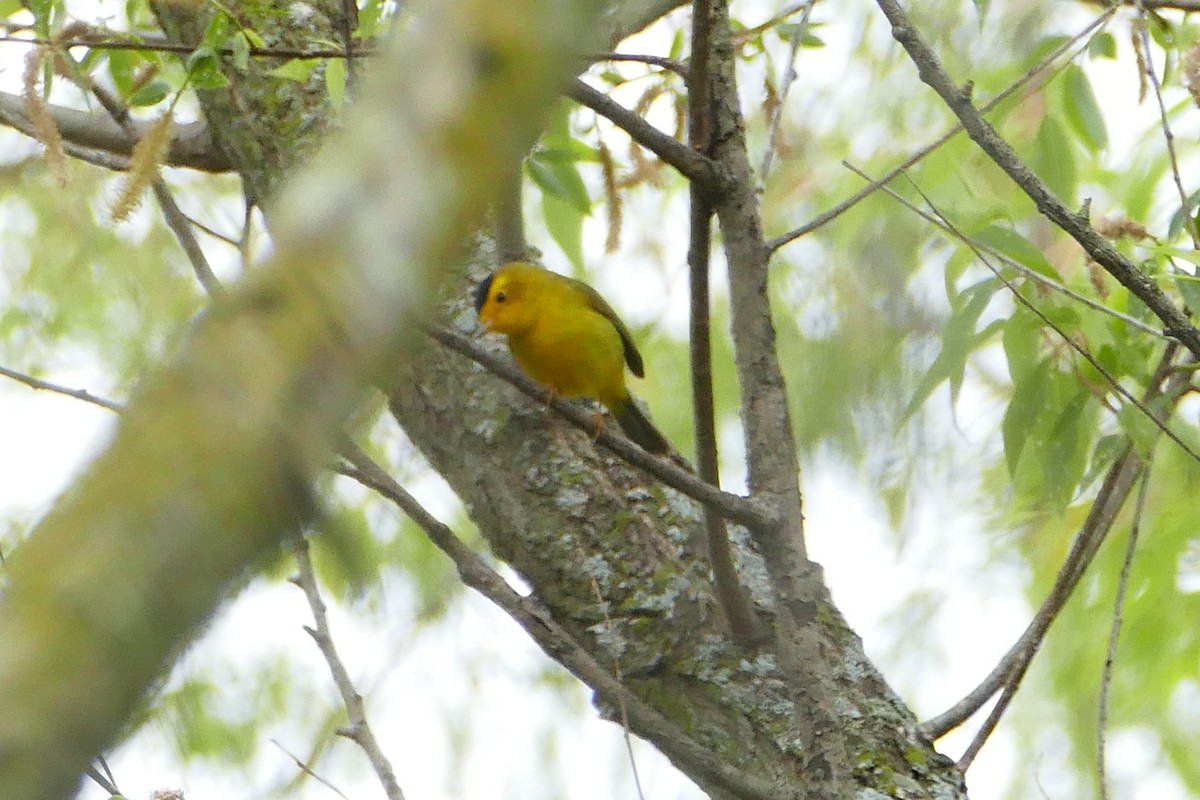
[481, 292]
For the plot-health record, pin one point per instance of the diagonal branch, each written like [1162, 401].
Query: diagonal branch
[1113, 493]
[539, 623]
[1027, 76]
[192, 148]
[78, 394]
[691, 164]
[1076, 225]
[740, 509]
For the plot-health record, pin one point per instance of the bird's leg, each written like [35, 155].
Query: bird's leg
[598, 422]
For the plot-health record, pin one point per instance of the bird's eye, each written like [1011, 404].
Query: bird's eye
[500, 297]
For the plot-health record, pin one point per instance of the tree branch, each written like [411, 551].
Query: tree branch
[692, 164]
[192, 148]
[743, 625]
[1176, 323]
[1109, 500]
[359, 730]
[740, 509]
[557, 642]
[78, 394]
[138, 554]
[827, 216]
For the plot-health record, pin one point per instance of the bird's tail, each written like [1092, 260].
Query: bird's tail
[639, 428]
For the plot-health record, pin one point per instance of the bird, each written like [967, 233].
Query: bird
[569, 339]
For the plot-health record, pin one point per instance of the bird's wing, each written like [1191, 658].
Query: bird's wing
[598, 304]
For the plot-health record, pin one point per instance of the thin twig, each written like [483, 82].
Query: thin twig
[1075, 225]
[78, 394]
[349, 23]
[1070, 341]
[789, 77]
[307, 770]
[103, 780]
[669, 64]
[1008, 261]
[176, 220]
[1143, 36]
[1115, 634]
[538, 622]
[1112, 495]
[841, 208]
[359, 730]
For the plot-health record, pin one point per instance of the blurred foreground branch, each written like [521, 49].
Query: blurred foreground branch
[131, 562]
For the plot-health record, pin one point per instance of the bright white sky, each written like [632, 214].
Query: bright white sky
[419, 698]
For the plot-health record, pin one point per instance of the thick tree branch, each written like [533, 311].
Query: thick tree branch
[192, 148]
[145, 545]
[1099, 249]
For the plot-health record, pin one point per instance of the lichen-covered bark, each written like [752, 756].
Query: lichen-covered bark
[265, 125]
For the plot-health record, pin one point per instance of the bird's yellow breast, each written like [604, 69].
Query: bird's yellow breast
[574, 351]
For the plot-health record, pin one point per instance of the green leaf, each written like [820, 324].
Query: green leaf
[297, 69]
[1022, 335]
[217, 32]
[565, 224]
[1016, 247]
[676, 49]
[42, 11]
[335, 82]
[1063, 457]
[959, 339]
[1029, 393]
[152, 93]
[1083, 112]
[1054, 159]
[120, 69]
[204, 69]
[559, 177]
[1189, 290]
[1161, 31]
[369, 19]
[1178, 219]
[807, 37]
[1102, 45]
[240, 45]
